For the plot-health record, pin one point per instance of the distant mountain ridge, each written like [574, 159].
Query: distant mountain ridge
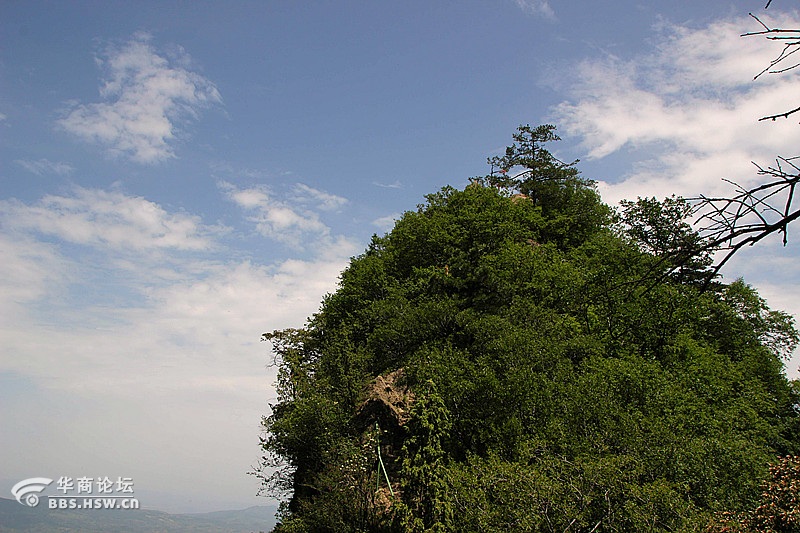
[21, 518]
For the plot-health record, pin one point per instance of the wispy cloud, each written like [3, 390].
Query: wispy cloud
[108, 219]
[536, 7]
[291, 222]
[690, 107]
[386, 223]
[394, 185]
[30, 270]
[323, 200]
[43, 167]
[188, 302]
[147, 97]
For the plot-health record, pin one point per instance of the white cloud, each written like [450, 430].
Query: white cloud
[30, 271]
[198, 333]
[193, 305]
[536, 7]
[689, 109]
[147, 98]
[323, 200]
[386, 223]
[109, 219]
[394, 185]
[291, 222]
[42, 167]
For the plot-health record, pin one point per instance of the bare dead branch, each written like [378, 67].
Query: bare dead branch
[780, 115]
[728, 224]
[777, 65]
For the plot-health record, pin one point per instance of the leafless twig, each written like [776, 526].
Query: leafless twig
[728, 224]
[790, 38]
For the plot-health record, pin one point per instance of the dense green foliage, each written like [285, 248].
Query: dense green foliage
[560, 381]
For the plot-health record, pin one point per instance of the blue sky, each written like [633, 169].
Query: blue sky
[177, 178]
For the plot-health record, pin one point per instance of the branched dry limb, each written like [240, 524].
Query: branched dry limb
[791, 44]
[729, 224]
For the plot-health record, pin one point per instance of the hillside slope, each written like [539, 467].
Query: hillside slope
[545, 370]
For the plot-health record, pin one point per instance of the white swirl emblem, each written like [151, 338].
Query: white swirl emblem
[27, 491]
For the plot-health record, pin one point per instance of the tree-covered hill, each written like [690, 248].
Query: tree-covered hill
[516, 356]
